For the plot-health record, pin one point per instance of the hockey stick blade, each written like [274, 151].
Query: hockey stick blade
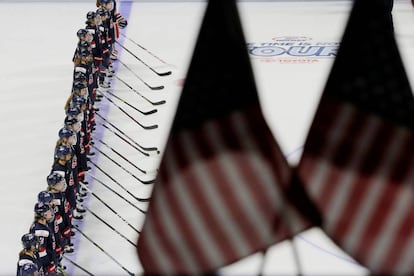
[130, 105]
[139, 94]
[132, 118]
[151, 68]
[123, 133]
[138, 77]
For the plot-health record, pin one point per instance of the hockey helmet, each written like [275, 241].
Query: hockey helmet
[30, 240]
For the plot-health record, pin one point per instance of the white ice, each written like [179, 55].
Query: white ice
[38, 40]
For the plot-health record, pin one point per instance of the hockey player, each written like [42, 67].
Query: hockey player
[47, 243]
[67, 139]
[57, 186]
[118, 22]
[72, 125]
[29, 254]
[85, 135]
[92, 25]
[29, 269]
[103, 28]
[46, 198]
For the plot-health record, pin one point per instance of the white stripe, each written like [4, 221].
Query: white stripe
[346, 181]
[238, 187]
[57, 201]
[320, 173]
[267, 179]
[267, 183]
[42, 254]
[174, 234]
[22, 262]
[58, 220]
[376, 188]
[80, 69]
[400, 207]
[42, 233]
[406, 262]
[155, 248]
[192, 214]
[196, 218]
[61, 173]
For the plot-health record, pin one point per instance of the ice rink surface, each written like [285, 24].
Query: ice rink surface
[38, 41]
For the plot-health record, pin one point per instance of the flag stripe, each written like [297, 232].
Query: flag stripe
[335, 134]
[400, 204]
[185, 191]
[167, 207]
[254, 168]
[228, 167]
[378, 198]
[402, 247]
[265, 173]
[361, 194]
[365, 133]
[373, 187]
[154, 250]
[405, 265]
[213, 193]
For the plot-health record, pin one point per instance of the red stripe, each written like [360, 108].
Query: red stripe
[224, 188]
[323, 131]
[266, 151]
[203, 204]
[159, 233]
[402, 235]
[383, 207]
[176, 149]
[360, 185]
[148, 260]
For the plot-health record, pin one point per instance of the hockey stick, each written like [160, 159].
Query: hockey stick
[120, 131]
[110, 227]
[113, 211]
[115, 192]
[106, 253]
[146, 84]
[146, 182]
[123, 139]
[128, 104]
[103, 202]
[123, 157]
[132, 118]
[140, 46]
[116, 182]
[161, 74]
[142, 96]
[78, 266]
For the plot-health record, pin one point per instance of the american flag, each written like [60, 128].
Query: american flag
[223, 190]
[358, 160]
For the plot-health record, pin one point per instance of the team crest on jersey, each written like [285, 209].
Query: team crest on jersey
[292, 49]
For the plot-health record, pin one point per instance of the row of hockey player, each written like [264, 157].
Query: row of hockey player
[60, 204]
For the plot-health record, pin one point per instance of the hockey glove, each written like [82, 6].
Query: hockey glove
[123, 24]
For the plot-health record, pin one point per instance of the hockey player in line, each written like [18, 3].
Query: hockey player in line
[47, 244]
[117, 22]
[104, 71]
[29, 269]
[29, 254]
[57, 185]
[97, 44]
[68, 138]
